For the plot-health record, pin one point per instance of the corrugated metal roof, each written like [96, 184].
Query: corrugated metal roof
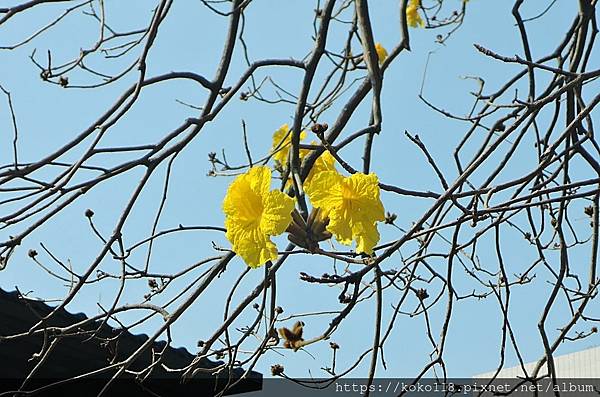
[79, 354]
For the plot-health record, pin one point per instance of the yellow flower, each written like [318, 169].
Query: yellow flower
[352, 205]
[282, 139]
[381, 52]
[412, 14]
[254, 213]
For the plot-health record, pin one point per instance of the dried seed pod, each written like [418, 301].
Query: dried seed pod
[325, 235]
[589, 210]
[296, 230]
[292, 338]
[277, 369]
[298, 219]
[299, 242]
[314, 214]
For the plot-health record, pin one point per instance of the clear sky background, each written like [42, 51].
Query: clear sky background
[191, 39]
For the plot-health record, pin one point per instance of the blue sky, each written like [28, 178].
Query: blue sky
[191, 39]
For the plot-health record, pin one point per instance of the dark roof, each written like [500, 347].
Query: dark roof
[79, 354]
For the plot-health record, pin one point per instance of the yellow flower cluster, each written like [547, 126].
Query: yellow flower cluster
[412, 14]
[350, 207]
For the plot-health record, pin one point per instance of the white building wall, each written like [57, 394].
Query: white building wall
[583, 364]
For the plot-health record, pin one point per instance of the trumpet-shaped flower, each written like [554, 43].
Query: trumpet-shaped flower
[352, 205]
[382, 53]
[412, 14]
[254, 213]
[282, 140]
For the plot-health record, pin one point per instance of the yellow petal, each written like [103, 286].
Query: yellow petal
[325, 162]
[361, 194]
[241, 200]
[289, 183]
[277, 212]
[282, 139]
[260, 179]
[382, 53]
[325, 191]
[339, 226]
[254, 247]
[412, 14]
[366, 236]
